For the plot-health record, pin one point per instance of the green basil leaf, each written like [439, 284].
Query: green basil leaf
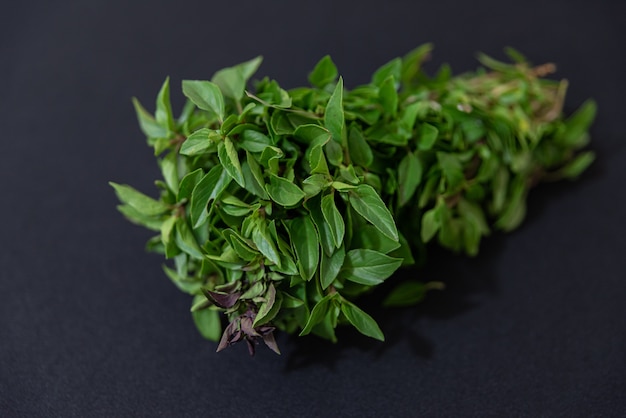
[361, 321]
[310, 133]
[186, 241]
[360, 151]
[314, 205]
[284, 192]
[138, 201]
[251, 180]
[392, 68]
[388, 96]
[318, 313]
[334, 153]
[409, 177]
[427, 136]
[515, 209]
[367, 203]
[188, 183]
[206, 95]
[368, 267]
[314, 184]
[325, 72]
[333, 218]
[406, 294]
[240, 245]
[412, 62]
[153, 223]
[577, 125]
[333, 115]
[254, 141]
[269, 308]
[208, 188]
[452, 169]
[208, 323]
[431, 223]
[163, 113]
[330, 266]
[368, 236]
[149, 126]
[232, 81]
[167, 230]
[230, 160]
[306, 245]
[317, 161]
[169, 170]
[201, 141]
[576, 167]
[264, 242]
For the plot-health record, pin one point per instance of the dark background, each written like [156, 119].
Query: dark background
[89, 325]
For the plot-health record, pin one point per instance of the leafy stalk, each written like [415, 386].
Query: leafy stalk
[279, 208]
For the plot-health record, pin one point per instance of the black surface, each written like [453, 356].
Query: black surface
[89, 326]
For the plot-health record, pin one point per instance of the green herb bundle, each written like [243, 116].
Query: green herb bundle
[278, 208]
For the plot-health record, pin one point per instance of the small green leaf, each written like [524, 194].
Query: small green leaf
[269, 308]
[409, 177]
[333, 218]
[188, 183]
[318, 313]
[515, 208]
[368, 236]
[361, 321]
[427, 137]
[169, 170]
[333, 115]
[163, 114]
[314, 205]
[406, 294]
[325, 72]
[201, 141]
[314, 184]
[206, 95]
[334, 153]
[576, 167]
[366, 201]
[151, 222]
[310, 133]
[232, 81]
[431, 223]
[139, 201]
[306, 245]
[149, 126]
[240, 246]
[230, 160]
[412, 62]
[186, 241]
[330, 266]
[317, 161]
[577, 125]
[254, 141]
[207, 189]
[392, 68]
[369, 267]
[284, 192]
[360, 151]
[389, 96]
[253, 175]
[264, 242]
[452, 169]
[208, 323]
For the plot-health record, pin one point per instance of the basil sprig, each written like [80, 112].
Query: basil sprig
[278, 208]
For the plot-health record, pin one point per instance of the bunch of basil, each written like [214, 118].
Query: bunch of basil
[280, 207]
